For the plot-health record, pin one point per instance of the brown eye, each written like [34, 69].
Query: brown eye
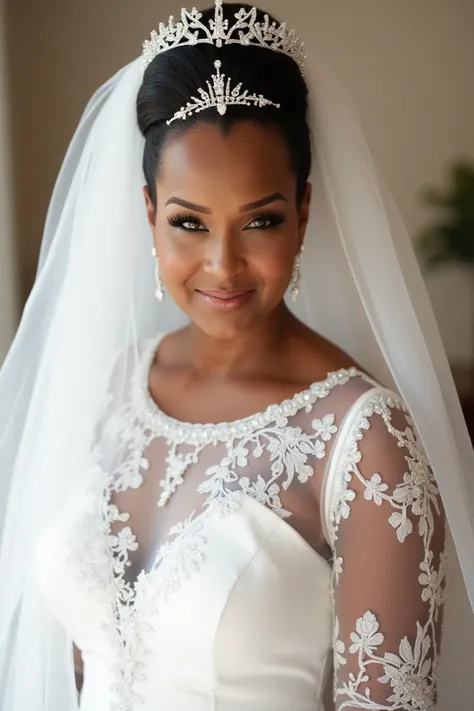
[265, 221]
[259, 223]
[188, 223]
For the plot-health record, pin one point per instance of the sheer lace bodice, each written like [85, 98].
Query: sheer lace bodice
[216, 566]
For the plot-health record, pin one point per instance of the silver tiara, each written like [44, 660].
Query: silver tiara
[220, 95]
[245, 31]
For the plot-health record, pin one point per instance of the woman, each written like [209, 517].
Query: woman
[218, 509]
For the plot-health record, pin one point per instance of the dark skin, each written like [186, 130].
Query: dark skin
[229, 365]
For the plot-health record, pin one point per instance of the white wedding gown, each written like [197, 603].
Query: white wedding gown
[230, 567]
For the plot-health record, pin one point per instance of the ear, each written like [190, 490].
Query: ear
[150, 209]
[303, 214]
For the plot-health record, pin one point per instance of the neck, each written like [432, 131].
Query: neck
[253, 351]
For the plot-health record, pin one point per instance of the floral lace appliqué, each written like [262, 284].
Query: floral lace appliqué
[412, 670]
[290, 451]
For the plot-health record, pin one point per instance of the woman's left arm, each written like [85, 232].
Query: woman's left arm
[388, 535]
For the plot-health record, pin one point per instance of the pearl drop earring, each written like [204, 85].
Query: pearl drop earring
[296, 277]
[160, 290]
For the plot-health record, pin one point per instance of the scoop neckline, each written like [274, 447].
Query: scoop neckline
[220, 431]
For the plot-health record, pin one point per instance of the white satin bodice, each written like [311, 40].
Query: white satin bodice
[251, 630]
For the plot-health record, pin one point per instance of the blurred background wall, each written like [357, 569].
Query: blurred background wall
[9, 282]
[408, 63]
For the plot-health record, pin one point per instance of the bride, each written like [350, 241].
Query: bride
[219, 497]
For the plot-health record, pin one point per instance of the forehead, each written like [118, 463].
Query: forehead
[205, 164]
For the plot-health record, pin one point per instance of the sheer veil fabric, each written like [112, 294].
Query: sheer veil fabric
[94, 299]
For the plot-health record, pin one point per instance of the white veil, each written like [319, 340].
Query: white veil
[94, 298]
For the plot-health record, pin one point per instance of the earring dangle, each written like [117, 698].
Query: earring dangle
[296, 278]
[160, 291]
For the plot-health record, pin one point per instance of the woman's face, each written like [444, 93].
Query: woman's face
[227, 227]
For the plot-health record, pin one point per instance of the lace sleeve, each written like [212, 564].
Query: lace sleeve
[386, 529]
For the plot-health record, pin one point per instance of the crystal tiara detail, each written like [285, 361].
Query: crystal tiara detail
[219, 95]
[246, 30]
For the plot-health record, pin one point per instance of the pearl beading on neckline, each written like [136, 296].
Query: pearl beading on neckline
[212, 433]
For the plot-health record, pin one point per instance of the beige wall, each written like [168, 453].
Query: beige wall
[8, 271]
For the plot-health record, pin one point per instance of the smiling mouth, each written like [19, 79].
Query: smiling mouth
[226, 300]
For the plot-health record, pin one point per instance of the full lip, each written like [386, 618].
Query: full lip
[224, 294]
[226, 300]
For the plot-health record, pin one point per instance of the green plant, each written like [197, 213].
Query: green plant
[451, 239]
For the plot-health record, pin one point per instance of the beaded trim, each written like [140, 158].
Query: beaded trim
[211, 433]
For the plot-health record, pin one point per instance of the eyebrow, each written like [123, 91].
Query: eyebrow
[274, 197]
[189, 205]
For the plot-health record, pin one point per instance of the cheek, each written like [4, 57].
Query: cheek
[178, 258]
[274, 264]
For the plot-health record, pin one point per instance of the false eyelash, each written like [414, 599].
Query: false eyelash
[179, 220]
[274, 218]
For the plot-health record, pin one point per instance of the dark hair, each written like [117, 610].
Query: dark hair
[175, 76]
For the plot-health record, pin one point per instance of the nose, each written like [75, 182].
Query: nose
[224, 259]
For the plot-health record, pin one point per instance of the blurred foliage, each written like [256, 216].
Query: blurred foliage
[451, 238]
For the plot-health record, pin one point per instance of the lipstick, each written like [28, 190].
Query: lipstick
[226, 299]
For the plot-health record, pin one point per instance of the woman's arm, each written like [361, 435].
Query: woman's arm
[388, 537]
